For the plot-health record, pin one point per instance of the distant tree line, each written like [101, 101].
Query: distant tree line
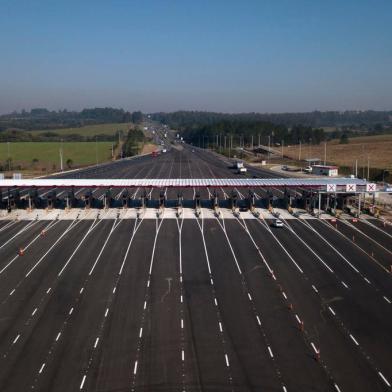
[201, 128]
[243, 132]
[314, 119]
[41, 119]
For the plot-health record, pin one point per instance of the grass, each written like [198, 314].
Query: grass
[378, 149]
[47, 153]
[90, 130]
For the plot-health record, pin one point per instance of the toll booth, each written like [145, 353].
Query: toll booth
[214, 199]
[125, 199]
[180, 199]
[107, 198]
[233, 200]
[51, 199]
[88, 199]
[70, 200]
[162, 199]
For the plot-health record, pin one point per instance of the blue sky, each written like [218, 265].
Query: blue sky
[232, 56]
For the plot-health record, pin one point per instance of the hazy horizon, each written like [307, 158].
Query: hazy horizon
[266, 57]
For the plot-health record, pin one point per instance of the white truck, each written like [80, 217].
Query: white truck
[240, 168]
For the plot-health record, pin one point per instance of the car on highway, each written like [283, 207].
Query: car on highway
[277, 223]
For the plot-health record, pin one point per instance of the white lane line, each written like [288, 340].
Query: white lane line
[227, 360]
[34, 311]
[67, 230]
[384, 379]
[96, 342]
[70, 311]
[82, 383]
[270, 352]
[181, 299]
[148, 283]
[284, 295]
[58, 336]
[81, 290]
[135, 368]
[258, 320]
[331, 310]
[114, 290]
[315, 254]
[107, 311]
[344, 284]
[212, 282]
[314, 288]
[215, 302]
[354, 340]
[102, 249]
[12, 292]
[182, 324]
[182, 355]
[250, 297]
[48, 290]
[145, 305]
[298, 319]
[16, 339]
[284, 389]
[337, 388]
[367, 280]
[42, 368]
[220, 327]
[77, 247]
[141, 332]
[387, 299]
[314, 348]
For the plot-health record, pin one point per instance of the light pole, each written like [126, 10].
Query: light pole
[9, 156]
[61, 155]
[96, 150]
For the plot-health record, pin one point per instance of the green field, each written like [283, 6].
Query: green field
[90, 130]
[47, 153]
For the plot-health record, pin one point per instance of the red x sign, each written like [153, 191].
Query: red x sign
[351, 188]
[331, 187]
[370, 187]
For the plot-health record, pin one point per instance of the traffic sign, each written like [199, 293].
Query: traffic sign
[371, 187]
[331, 187]
[351, 187]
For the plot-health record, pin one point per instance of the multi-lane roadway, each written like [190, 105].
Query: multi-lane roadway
[104, 301]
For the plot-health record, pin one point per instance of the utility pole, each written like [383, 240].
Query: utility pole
[9, 156]
[269, 144]
[299, 156]
[96, 149]
[325, 153]
[61, 155]
[259, 140]
[356, 168]
[368, 169]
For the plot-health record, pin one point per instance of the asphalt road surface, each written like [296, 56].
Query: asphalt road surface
[201, 304]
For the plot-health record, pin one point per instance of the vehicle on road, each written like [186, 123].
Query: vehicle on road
[241, 168]
[277, 223]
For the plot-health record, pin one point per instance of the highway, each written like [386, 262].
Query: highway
[105, 301]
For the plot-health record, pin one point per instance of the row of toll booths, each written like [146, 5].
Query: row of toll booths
[304, 199]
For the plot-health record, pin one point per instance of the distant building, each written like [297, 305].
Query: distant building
[325, 170]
